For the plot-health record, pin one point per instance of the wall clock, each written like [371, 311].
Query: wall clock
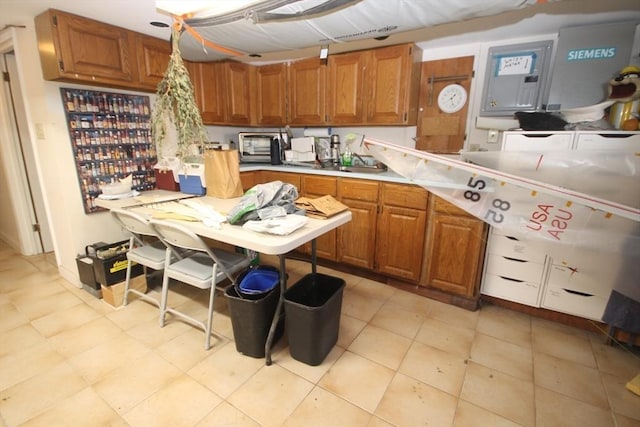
[452, 98]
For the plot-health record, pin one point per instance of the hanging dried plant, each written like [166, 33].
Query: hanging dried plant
[176, 102]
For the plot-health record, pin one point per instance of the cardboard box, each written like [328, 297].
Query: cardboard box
[114, 294]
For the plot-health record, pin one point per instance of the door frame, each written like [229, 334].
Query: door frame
[25, 199]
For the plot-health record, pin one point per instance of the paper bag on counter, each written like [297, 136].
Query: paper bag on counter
[323, 207]
[222, 173]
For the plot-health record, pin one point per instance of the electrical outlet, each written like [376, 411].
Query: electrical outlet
[492, 136]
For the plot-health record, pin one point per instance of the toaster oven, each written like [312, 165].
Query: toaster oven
[261, 147]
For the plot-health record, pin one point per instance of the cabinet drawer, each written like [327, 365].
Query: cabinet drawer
[512, 247]
[404, 196]
[321, 185]
[561, 277]
[442, 206]
[514, 268]
[534, 141]
[358, 189]
[510, 289]
[570, 302]
[610, 141]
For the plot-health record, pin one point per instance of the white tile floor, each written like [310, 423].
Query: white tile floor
[69, 359]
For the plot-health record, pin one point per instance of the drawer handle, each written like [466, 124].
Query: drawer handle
[582, 294]
[513, 259]
[512, 238]
[511, 279]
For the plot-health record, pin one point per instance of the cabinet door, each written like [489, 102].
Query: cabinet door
[271, 94]
[318, 186]
[76, 50]
[454, 254]
[389, 75]
[307, 86]
[208, 85]
[401, 230]
[357, 239]
[346, 87]
[238, 82]
[440, 132]
[400, 242]
[153, 57]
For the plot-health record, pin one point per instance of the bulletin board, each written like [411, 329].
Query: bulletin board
[516, 78]
[110, 136]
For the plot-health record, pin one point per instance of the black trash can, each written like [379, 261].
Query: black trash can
[251, 317]
[312, 316]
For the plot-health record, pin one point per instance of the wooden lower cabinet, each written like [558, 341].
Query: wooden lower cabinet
[250, 179]
[357, 239]
[401, 231]
[289, 178]
[454, 250]
[318, 186]
[398, 231]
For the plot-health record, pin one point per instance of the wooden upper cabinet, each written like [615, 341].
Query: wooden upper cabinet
[208, 84]
[377, 86]
[271, 101]
[307, 92]
[153, 57]
[347, 87]
[77, 49]
[394, 77]
[238, 93]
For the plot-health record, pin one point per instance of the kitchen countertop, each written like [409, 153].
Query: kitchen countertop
[388, 176]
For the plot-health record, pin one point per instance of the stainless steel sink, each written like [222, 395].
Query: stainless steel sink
[363, 169]
[365, 164]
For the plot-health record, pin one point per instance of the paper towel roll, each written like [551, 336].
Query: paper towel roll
[496, 123]
[317, 132]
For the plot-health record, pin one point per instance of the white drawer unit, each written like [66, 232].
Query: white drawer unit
[514, 269]
[520, 271]
[537, 141]
[608, 141]
[574, 294]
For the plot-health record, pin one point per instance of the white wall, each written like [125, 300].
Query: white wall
[71, 228]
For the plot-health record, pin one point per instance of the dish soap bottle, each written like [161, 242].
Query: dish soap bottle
[347, 156]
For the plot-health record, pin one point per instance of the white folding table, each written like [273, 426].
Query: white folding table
[236, 235]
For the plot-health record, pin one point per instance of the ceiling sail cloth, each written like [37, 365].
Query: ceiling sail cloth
[581, 207]
[263, 26]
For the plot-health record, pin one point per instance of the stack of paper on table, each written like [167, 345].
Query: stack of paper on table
[323, 207]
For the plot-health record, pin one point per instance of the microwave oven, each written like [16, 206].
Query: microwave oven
[261, 147]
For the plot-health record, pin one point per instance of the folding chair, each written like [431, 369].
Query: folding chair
[150, 253]
[204, 268]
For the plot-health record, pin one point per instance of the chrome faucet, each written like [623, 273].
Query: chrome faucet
[357, 156]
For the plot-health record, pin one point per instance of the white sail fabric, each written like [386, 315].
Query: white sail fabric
[590, 233]
[279, 25]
